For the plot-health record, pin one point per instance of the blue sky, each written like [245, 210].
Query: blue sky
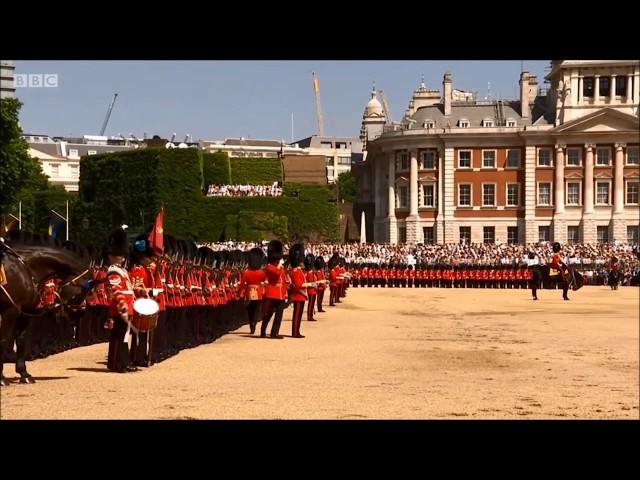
[218, 99]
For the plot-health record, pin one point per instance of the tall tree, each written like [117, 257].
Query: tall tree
[346, 183]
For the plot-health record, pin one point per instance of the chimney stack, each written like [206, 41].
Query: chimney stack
[524, 94]
[447, 93]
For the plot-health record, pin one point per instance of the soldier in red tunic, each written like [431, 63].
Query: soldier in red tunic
[322, 282]
[298, 290]
[310, 277]
[275, 291]
[251, 286]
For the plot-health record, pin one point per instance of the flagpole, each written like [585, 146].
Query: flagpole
[20, 216]
[67, 222]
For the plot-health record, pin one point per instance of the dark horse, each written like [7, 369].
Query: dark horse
[569, 279]
[32, 260]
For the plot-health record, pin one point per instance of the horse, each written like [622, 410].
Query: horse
[569, 279]
[613, 279]
[32, 260]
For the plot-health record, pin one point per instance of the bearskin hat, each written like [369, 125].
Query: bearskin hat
[274, 251]
[309, 261]
[556, 247]
[117, 243]
[296, 255]
[256, 258]
[319, 263]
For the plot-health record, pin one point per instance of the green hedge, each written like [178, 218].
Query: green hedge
[130, 187]
[255, 171]
[216, 169]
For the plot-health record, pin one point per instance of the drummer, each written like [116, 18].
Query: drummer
[143, 266]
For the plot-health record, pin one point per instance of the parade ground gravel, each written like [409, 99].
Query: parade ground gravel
[381, 354]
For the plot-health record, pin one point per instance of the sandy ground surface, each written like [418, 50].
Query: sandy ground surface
[381, 354]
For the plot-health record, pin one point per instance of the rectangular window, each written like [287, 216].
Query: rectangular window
[513, 158]
[402, 234]
[92, 152]
[573, 235]
[404, 161]
[603, 233]
[489, 159]
[512, 234]
[602, 193]
[633, 155]
[344, 160]
[603, 155]
[488, 195]
[633, 234]
[428, 195]
[429, 235]
[329, 172]
[328, 160]
[74, 170]
[73, 152]
[326, 145]
[587, 87]
[544, 194]
[489, 234]
[403, 196]
[513, 195]
[511, 123]
[464, 195]
[573, 157]
[464, 123]
[429, 160]
[464, 159]
[632, 193]
[487, 123]
[55, 169]
[573, 193]
[544, 234]
[465, 234]
[544, 157]
[621, 86]
[605, 86]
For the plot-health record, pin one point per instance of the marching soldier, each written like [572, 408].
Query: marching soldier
[310, 277]
[322, 283]
[275, 291]
[251, 286]
[298, 293]
[558, 269]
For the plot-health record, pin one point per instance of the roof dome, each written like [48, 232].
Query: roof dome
[374, 107]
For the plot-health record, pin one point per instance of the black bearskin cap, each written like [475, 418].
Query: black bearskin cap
[319, 263]
[256, 258]
[117, 243]
[274, 251]
[296, 255]
[556, 247]
[309, 261]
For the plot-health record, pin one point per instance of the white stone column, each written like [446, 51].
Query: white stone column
[392, 227]
[451, 234]
[414, 232]
[574, 88]
[588, 179]
[580, 89]
[559, 221]
[377, 182]
[619, 222]
[612, 90]
[596, 91]
[636, 84]
[618, 206]
[440, 196]
[629, 86]
[530, 226]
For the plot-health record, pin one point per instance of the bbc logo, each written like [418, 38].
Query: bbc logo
[36, 80]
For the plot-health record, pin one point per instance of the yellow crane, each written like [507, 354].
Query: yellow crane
[316, 91]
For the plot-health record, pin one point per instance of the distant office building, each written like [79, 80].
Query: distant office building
[7, 74]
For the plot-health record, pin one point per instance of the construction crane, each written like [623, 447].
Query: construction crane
[316, 90]
[106, 119]
[385, 106]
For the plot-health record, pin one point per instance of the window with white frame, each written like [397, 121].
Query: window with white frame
[489, 234]
[92, 152]
[513, 194]
[574, 156]
[544, 234]
[573, 235]
[344, 160]
[404, 161]
[602, 233]
[513, 158]
[429, 123]
[602, 193]
[464, 159]
[74, 170]
[55, 169]
[73, 152]
[633, 234]
[403, 196]
[488, 159]
[429, 160]
[544, 193]
[544, 157]
[573, 193]
[512, 235]
[632, 193]
[329, 171]
[328, 160]
[429, 235]
[402, 234]
[511, 123]
[603, 156]
[488, 195]
[487, 122]
[464, 123]
[465, 234]
[633, 157]
[428, 195]
[464, 195]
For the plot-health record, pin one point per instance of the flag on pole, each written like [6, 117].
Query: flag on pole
[156, 235]
[56, 227]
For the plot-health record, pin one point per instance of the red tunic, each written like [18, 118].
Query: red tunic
[298, 292]
[310, 276]
[251, 284]
[277, 286]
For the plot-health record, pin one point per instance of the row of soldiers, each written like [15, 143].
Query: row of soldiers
[440, 276]
[202, 294]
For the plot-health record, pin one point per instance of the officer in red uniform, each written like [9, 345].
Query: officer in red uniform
[275, 291]
[558, 270]
[310, 277]
[121, 306]
[298, 289]
[251, 286]
[320, 279]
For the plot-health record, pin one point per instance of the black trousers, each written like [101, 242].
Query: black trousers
[298, 308]
[270, 307]
[254, 311]
[118, 356]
